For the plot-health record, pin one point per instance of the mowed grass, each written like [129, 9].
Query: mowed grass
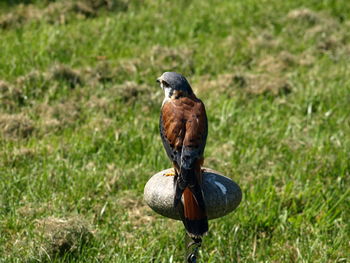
[79, 110]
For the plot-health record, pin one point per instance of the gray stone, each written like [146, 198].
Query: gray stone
[221, 194]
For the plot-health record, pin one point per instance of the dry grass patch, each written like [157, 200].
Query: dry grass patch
[304, 15]
[306, 59]
[65, 73]
[60, 12]
[105, 71]
[325, 28]
[278, 63]
[263, 40]
[59, 116]
[22, 14]
[284, 61]
[39, 85]
[62, 235]
[16, 126]
[99, 103]
[130, 66]
[129, 91]
[110, 5]
[223, 84]
[53, 238]
[250, 84]
[171, 59]
[327, 32]
[10, 96]
[84, 8]
[258, 84]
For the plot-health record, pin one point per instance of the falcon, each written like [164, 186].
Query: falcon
[184, 128]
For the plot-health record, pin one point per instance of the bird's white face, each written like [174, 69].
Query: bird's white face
[168, 91]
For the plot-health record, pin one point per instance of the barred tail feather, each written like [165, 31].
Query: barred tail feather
[194, 215]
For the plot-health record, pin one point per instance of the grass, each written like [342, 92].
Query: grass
[79, 138]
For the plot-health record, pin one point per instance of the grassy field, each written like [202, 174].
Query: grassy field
[79, 110]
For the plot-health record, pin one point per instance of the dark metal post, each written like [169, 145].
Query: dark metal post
[191, 248]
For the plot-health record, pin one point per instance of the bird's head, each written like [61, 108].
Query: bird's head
[174, 84]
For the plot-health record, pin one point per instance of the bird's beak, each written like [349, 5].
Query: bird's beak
[158, 80]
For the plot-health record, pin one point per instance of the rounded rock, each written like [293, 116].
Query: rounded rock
[221, 194]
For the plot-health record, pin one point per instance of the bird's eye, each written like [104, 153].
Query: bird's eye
[165, 84]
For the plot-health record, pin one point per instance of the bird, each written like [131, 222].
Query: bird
[183, 129]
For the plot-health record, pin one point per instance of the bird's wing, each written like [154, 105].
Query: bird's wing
[196, 133]
[196, 130]
[172, 130]
[184, 128]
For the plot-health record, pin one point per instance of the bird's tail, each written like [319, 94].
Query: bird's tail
[192, 211]
[194, 217]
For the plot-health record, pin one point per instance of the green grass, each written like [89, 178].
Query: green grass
[79, 137]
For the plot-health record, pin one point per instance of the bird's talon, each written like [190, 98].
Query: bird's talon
[170, 173]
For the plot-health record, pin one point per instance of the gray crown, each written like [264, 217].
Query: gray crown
[176, 81]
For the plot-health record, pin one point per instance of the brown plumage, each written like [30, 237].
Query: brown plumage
[183, 128]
